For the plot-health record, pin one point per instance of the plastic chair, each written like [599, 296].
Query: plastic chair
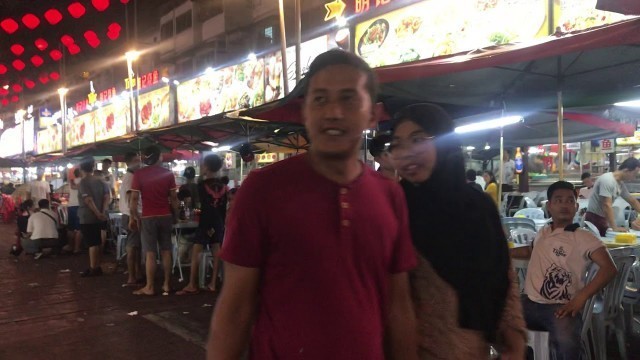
[608, 312]
[530, 213]
[523, 236]
[631, 295]
[539, 342]
[591, 344]
[515, 223]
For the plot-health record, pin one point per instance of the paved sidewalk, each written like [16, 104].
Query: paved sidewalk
[47, 311]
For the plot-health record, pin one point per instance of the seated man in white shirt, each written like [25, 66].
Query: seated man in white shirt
[554, 286]
[42, 230]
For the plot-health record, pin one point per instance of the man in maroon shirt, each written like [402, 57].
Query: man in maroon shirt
[323, 274]
[157, 186]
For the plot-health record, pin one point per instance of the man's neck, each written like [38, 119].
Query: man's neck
[560, 224]
[342, 171]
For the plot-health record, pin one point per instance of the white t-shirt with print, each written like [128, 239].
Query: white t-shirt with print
[42, 226]
[558, 264]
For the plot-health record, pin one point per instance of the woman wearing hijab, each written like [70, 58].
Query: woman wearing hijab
[463, 288]
[492, 186]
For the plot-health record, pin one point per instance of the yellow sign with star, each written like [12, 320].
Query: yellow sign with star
[334, 9]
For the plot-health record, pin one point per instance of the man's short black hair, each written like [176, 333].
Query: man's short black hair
[212, 162]
[378, 145]
[107, 160]
[87, 164]
[630, 164]
[559, 185]
[43, 204]
[585, 175]
[76, 172]
[341, 57]
[151, 155]
[471, 175]
[129, 156]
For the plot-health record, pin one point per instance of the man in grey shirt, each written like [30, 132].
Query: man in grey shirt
[606, 190]
[93, 196]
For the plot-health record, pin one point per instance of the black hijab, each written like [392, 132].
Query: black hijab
[456, 228]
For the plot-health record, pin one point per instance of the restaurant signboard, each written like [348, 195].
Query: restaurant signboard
[81, 129]
[112, 120]
[234, 87]
[441, 27]
[155, 109]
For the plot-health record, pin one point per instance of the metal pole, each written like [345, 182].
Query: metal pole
[501, 170]
[560, 123]
[283, 47]
[131, 102]
[298, 39]
[63, 113]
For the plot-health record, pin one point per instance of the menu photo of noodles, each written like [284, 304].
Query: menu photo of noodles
[154, 109]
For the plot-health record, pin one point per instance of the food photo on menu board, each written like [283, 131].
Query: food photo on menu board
[154, 109]
[81, 130]
[441, 27]
[49, 139]
[309, 50]
[112, 120]
[273, 77]
[582, 14]
[231, 88]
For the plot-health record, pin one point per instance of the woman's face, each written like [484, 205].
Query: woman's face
[486, 177]
[413, 152]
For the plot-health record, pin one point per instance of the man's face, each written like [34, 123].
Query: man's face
[562, 206]
[629, 175]
[336, 110]
[106, 165]
[588, 182]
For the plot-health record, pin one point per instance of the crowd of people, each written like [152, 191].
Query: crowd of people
[325, 258]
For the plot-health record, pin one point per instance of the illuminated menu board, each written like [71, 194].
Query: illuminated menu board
[49, 139]
[442, 27]
[308, 52]
[81, 129]
[155, 110]
[575, 15]
[273, 77]
[112, 120]
[232, 88]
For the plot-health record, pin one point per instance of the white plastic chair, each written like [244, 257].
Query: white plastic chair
[608, 313]
[530, 213]
[515, 223]
[591, 344]
[523, 236]
[631, 295]
[539, 342]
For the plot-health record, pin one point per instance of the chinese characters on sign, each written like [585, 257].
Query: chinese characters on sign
[145, 80]
[364, 5]
[606, 146]
[92, 97]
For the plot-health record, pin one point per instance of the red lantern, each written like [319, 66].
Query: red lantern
[114, 27]
[17, 49]
[43, 78]
[36, 60]
[5, 102]
[18, 64]
[67, 40]
[9, 25]
[100, 5]
[29, 83]
[124, 1]
[15, 98]
[3, 69]
[53, 16]
[54, 75]
[55, 55]
[16, 88]
[113, 35]
[3, 91]
[73, 49]
[30, 21]
[76, 10]
[41, 44]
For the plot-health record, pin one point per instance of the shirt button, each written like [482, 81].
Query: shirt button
[345, 205]
[346, 223]
[343, 191]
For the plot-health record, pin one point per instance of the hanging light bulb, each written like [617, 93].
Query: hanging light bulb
[487, 146]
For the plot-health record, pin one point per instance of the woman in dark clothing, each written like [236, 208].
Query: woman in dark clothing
[210, 227]
[464, 297]
[24, 212]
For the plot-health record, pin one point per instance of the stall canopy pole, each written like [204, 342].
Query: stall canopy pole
[298, 39]
[501, 169]
[560, 124]
[283, 47]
